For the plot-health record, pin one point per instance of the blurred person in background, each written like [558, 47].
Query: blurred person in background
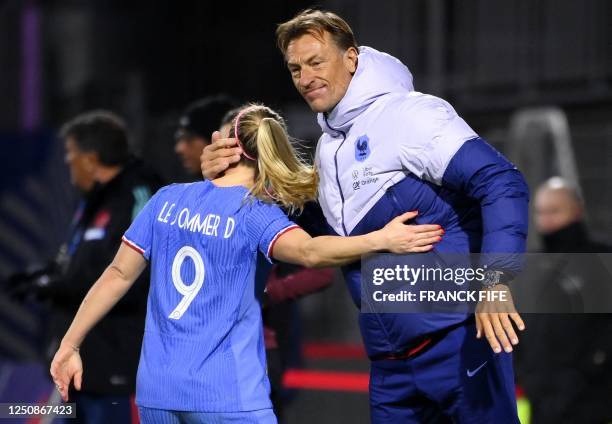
[196, 124]
[115, 187]
[560, 220]
[564, 364]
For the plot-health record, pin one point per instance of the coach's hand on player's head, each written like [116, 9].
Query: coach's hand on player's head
[410, 238]
[494, 320]
[65, 367]
[219, 155]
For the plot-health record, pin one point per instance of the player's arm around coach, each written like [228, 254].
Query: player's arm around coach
[294, 246]
[493, 318]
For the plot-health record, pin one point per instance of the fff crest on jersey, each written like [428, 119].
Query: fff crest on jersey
[362, 148]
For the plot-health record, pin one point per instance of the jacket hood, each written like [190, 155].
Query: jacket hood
[377, 74]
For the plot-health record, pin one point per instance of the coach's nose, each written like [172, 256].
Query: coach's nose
[307, 78]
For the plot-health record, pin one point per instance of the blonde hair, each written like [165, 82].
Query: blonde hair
[282, 175]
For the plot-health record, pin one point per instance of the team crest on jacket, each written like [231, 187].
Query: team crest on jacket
[362, 148]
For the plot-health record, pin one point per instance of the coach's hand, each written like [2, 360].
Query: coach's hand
[65, 367]
[219, 155]
[410, 238]
[493, 319]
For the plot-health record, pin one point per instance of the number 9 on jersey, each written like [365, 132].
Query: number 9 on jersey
[189, 292]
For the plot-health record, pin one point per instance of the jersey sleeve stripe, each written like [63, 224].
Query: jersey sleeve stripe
[280, 233]
[133, 245]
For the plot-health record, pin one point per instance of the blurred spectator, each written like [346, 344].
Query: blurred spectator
[559, 218]
[565, 360]
[196, 125]
[115, 186]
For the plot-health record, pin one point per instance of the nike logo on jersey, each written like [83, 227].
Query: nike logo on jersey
[472, 373]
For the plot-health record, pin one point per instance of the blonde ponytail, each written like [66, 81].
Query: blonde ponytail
[282, 175]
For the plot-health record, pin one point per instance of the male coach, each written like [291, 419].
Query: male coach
[387, 149]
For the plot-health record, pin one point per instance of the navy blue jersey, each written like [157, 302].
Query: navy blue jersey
[203, 345]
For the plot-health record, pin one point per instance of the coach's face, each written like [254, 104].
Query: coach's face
[320, 70]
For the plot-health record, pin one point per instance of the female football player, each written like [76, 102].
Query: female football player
[203, 357]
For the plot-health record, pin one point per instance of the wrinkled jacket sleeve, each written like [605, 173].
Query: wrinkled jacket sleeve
[440, 147]
[482, 173]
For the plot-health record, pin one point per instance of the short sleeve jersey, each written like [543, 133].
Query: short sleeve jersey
[203, 345]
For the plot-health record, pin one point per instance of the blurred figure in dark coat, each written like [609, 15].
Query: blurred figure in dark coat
[565, 360]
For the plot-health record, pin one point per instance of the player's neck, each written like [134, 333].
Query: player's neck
[239, 175]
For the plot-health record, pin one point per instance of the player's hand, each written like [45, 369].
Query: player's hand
[494, 320]
[66, 367]
[407, 238]
[219, 155]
